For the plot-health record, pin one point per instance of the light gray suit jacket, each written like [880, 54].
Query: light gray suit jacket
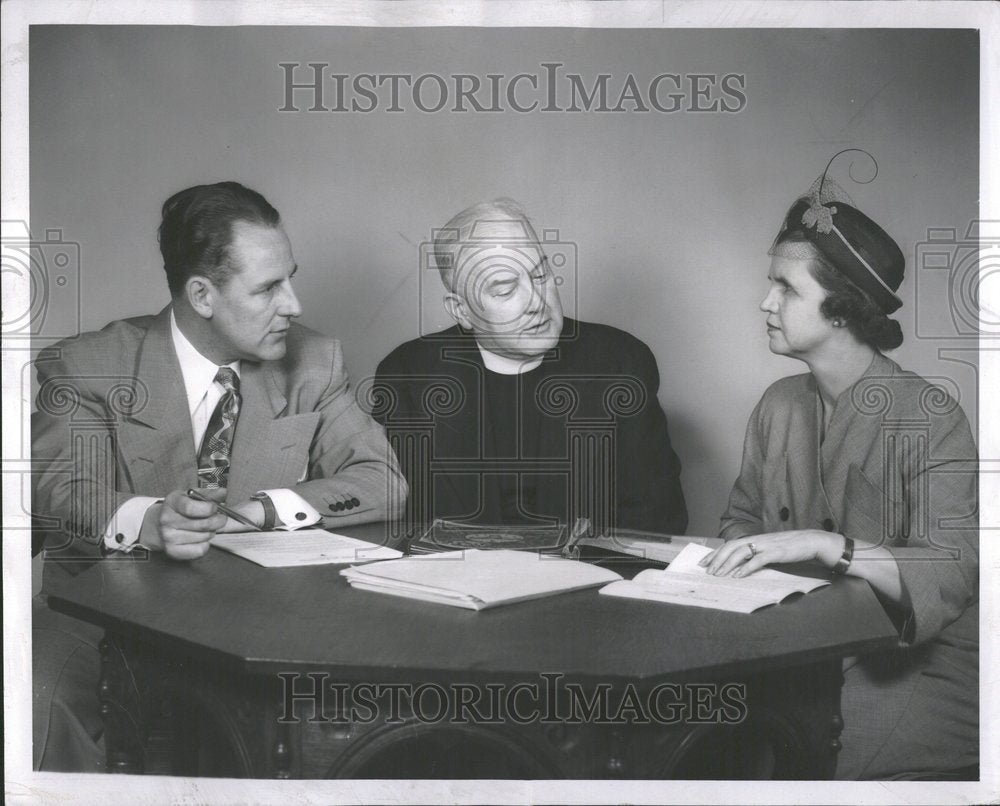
[112, 422]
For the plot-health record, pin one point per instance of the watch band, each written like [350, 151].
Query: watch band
[270, 514]
[845, 559]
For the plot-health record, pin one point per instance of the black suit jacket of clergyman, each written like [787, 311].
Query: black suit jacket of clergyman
[602, 446]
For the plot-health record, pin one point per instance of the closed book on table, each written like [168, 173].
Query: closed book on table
[477, 579]
[446, 535]
[632, 545]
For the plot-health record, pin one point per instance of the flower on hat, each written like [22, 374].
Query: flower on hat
[818, 215]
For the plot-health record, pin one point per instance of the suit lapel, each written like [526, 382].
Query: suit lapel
[156, 439]
[157, 442]
[269, 450]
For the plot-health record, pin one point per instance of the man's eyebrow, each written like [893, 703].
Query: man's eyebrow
[265, 284]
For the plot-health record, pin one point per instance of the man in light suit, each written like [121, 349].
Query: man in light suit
[220, 391]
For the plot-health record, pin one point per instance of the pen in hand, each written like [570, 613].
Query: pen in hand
[232, 513]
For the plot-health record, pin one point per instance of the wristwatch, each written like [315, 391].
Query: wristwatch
[270, 514]
[845, 559]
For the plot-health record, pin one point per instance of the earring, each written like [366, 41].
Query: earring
[838, 322]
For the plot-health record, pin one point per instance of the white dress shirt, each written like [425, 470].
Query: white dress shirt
[203, 395]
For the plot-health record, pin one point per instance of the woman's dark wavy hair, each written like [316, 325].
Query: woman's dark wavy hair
[866, 321]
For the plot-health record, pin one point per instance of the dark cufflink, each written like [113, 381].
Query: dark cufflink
[828, 525]
[783, 513]
[119, 538]
[300, 516]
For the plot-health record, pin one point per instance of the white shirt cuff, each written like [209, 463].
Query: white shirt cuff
[122, 532]
[292, 509]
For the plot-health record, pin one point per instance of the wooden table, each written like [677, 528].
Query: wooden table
[202, 660]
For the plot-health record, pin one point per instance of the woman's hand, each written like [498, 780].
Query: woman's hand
[745, 555]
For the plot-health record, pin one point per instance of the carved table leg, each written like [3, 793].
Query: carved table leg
[837, 722]
[788, 731]
[168, 714]
[282, 751]
[118, 704]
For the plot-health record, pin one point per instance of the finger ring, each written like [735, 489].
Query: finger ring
[753, 550]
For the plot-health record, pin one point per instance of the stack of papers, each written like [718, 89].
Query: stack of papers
[478, 579]
[684, 582]
[303, 547]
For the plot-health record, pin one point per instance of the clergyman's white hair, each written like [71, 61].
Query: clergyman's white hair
[449, 240]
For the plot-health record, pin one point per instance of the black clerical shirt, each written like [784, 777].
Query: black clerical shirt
[581, 435]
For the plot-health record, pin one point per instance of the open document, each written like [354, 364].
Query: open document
[476, 578]
[684, 582]
[302, 547]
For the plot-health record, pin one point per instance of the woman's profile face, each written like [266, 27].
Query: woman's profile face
[795, 326]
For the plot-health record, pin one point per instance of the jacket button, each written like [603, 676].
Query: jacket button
[783, 513]
[828, 525]
[355, 501]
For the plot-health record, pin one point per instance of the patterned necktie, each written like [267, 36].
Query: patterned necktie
[216, 445]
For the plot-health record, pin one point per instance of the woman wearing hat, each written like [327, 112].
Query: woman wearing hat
[870, 471]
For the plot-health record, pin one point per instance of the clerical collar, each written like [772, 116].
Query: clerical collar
[197, 371]
[504, 365]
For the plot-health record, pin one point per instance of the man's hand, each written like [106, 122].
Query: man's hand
[251, 510]
[180, 526]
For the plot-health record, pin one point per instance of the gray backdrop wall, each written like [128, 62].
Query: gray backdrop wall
[671, 214]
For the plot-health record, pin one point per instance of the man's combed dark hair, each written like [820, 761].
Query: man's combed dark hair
[866, 320]
[197, 227]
